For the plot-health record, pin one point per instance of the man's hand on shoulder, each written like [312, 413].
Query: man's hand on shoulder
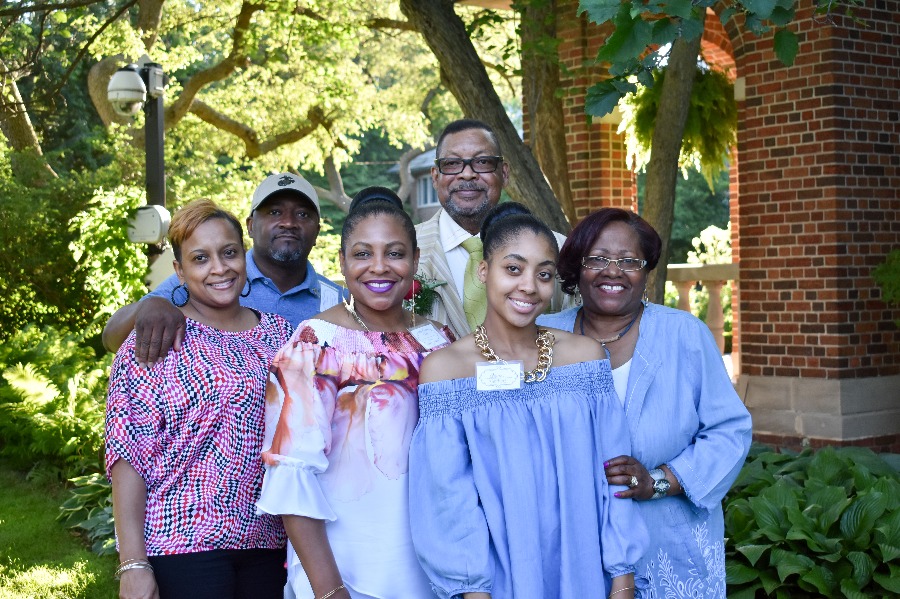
[158, 326]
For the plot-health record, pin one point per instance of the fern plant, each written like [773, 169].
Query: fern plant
[710, 131]
[52, 394]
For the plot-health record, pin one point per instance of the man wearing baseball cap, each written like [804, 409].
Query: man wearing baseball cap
[283, 224]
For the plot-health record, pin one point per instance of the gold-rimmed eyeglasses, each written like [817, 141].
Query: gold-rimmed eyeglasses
[623, 264]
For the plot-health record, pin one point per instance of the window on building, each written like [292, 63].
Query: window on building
[425, 195]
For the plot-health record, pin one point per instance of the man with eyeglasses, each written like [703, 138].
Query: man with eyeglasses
[468, 175]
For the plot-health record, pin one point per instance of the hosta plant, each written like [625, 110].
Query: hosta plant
[814, 524]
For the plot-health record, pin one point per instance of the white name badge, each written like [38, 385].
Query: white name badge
[428, 336]
[498, 376]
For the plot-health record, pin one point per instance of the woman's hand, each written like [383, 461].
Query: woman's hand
[138, 583]
[621, 469]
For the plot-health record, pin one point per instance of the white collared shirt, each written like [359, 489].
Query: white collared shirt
[452, 238]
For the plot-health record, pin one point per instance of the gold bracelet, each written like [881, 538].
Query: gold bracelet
[622, 589]
[331, 592]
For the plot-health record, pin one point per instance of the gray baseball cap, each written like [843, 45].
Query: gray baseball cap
[280, 182]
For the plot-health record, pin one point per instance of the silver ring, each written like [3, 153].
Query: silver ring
[633, 483]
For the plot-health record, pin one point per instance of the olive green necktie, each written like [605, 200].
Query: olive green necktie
[474, 298]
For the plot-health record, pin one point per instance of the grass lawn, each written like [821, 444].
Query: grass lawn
[39, 559]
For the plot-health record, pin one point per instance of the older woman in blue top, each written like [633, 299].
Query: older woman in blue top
[689, 430]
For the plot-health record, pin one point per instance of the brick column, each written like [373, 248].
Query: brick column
[820, 149]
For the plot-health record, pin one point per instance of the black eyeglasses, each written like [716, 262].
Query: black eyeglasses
[479, 164]
[623, 264]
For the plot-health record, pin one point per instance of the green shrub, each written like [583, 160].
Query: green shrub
[887, 277]
[52, 397]
[813, 524]
[89, 510]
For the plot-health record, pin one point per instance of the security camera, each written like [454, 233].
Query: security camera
[126, 91]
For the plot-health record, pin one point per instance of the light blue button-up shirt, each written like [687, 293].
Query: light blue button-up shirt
[315, 294]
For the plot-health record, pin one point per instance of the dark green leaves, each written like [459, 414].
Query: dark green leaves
[786, 46]
[628, 40]
[599, 11]
[602, 98]
[822, 524]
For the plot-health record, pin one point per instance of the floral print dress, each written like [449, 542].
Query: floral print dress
[341, 407]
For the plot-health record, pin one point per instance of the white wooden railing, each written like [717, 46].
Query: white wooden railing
[711, 276]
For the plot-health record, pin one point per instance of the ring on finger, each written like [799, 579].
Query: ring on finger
[633, 482]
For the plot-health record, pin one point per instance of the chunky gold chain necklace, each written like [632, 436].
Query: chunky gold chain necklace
[544, 342]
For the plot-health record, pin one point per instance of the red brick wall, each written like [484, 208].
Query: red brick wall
[819, 146]
[597, 170]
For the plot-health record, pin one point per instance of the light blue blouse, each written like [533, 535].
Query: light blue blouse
[507, 494]
[682, 410]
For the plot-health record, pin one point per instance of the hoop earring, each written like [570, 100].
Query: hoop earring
[187, 295]
[249, 287]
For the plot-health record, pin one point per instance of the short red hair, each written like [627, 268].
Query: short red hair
[194, 214]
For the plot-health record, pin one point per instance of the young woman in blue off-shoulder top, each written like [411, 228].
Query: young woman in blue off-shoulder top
[515, 423]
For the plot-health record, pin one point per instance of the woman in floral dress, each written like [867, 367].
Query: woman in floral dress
[340, 412]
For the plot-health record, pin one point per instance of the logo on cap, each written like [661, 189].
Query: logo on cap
[285, 180]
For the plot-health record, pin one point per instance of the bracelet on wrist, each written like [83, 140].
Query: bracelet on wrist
[133, 564]
[620, 590]
[332, 592]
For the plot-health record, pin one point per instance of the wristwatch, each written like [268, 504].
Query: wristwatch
[660, 484]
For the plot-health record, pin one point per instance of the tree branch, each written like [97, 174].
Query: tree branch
[382, 23]
[87, 45]
[149, 19]
[48, 6]
[217, 72]
[336, 193]
[252, 144]
[406, 179]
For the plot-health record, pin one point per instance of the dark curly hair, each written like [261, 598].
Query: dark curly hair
[583, 235]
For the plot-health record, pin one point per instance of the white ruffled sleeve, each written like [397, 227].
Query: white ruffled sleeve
[299, 408]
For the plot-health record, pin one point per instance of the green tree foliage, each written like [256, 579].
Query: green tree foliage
[696, 208]
[887, 277]
[710, 131]
[42, 280]
[643, 32]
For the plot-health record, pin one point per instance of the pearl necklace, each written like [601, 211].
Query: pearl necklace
[544, 341]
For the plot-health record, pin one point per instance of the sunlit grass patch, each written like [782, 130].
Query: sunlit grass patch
[39, 558]
[46, 581]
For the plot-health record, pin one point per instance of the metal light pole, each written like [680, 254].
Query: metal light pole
[130, 88]
[154, 79]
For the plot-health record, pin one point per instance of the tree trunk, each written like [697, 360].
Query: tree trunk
[15, 124]
[468, 81]
[540, 84]
[406, 179]
[662, 169]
